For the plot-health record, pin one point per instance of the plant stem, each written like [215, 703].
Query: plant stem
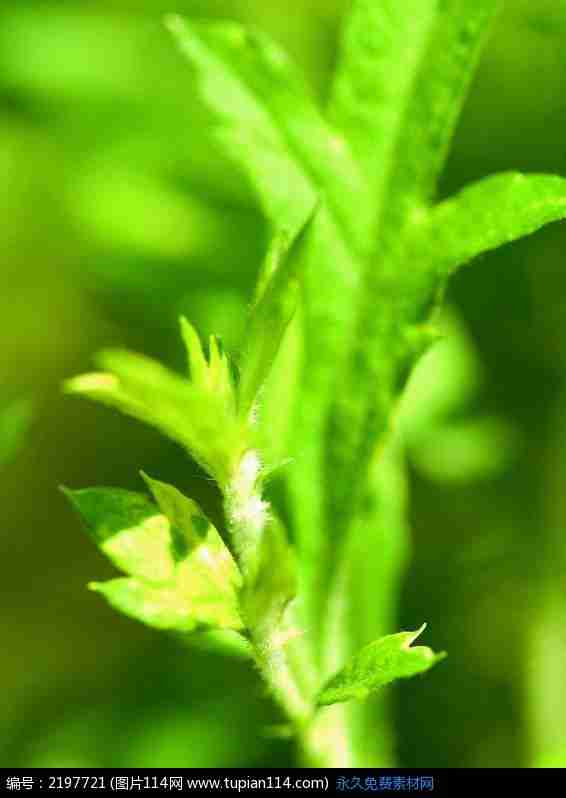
[271, 631]
[326, 741]
[336, 736]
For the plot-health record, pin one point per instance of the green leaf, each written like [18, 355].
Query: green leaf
[252, 84]
[275, 581]
[279, 398]
[381, 47]
[196, 360]
[181, 576]
[495, 211]
[378, 664]
[188, 526]
[14, 423]
[212, 376]
[271, 313]
[402, 75]
[128, 529]
[244, 129]
[439, 89]
[200, 416]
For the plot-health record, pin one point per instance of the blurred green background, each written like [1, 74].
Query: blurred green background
[117, 214]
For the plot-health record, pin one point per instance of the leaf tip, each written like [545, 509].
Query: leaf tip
[424, 651]
[412, 636]
[146, 478]
[71, 496]
[93, 382]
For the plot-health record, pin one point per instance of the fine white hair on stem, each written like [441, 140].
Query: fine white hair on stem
[247, 511]
[247, 474]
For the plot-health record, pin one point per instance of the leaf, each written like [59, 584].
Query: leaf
[271, 314]
[196, 360]
[169, 608]
[403, 72]
[378, 664]
[15, 419]
[188, 526]
[129, 529]
[279, 398]
[244, 129]
[181, 576]
[439, 89]
[251, 83]
[497, 210]
[211, 376]
[275, 581]
[181, 512]
[381, 46]
[200, 416]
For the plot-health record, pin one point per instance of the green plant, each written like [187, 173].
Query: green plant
[344, 308]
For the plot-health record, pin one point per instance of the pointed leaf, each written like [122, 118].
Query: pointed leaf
[198, 365]
[198, 419]
[278, 86]
[446, 68]
[189, 527]
[275, 581]
[380, 50]
[401, 80]
[182, 576]
[214, 375]
[495, 211]
[202, 592]
[279, 398]
[221, 383]
[271, 314]
[277, 250]
[245, 130]
[129, 529]
[378, 664]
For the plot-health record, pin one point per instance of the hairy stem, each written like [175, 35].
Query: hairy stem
[271, 631]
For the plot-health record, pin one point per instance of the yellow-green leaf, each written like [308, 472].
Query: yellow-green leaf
[181, 575]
